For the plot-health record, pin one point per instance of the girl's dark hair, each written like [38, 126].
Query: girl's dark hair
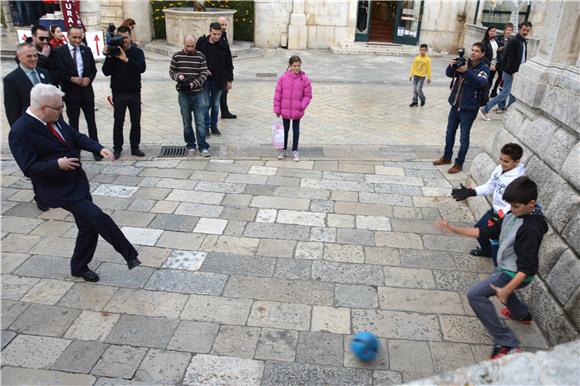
[512, 150]
[293, 59]
[53, 28]
[486, 36]
[128, 22]
[522, 190]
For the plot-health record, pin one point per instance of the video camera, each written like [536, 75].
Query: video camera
[460, 61]
[113, 41]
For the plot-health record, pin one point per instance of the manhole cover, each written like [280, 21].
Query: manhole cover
[266, 74]
[173, 151]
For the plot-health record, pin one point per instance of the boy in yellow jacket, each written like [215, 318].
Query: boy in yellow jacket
[420, 70]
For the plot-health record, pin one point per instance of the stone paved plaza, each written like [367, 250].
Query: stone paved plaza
[255, 271]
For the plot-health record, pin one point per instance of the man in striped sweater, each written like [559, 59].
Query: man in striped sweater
[189, 69]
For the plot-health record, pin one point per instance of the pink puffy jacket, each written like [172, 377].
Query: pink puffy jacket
[292, 96]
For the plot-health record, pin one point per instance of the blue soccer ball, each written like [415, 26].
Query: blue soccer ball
[365, 346]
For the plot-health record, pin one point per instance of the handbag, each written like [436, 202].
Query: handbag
[278, 134]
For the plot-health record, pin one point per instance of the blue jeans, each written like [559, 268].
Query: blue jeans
[478, 297]
[196, 104]
[456, 118]
[503, 95]
[214, 93]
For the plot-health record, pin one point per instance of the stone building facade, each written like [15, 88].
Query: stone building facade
[546, 122]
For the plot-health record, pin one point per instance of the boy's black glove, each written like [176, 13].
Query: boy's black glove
[463, 193]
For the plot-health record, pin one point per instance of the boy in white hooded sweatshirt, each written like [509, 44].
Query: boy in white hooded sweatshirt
[509, 169]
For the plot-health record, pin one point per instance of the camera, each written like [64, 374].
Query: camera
[183, 85]
[113, 41]
[460, 61]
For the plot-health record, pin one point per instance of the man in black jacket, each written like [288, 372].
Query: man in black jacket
[220, 70]
[75, 70]
[502, 42]
[40, 40]
[226, 114]
[125, 70]
[516, 53]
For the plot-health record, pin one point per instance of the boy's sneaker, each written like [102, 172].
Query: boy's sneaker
[501, 351]
[500, 111]
[205, 153]
[413, 104]
[191, 151]
[282, 154]
[484, 115]
[295, 157]
[506, 312]
[422, 103]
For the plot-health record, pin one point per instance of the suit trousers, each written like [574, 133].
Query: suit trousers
[91, 222]
[121, 102]
[73, 111]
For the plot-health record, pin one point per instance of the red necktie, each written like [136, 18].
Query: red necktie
[56, 133]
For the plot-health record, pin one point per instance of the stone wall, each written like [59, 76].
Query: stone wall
[546, 122]
[111, 12]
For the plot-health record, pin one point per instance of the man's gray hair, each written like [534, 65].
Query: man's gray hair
[42, 91]
[22, 46]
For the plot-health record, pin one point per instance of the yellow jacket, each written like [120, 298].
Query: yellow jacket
[421, 67]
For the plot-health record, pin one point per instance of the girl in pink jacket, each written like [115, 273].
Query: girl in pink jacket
[292, 96]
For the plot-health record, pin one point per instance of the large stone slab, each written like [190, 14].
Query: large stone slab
[162, 367]
[15, 287]
[280, 315]
[87, 296]
[320, 348]
[119, 361]
[348, 273]
[79, 357]
[204, 283]
[233, 264]
[238, 341]
[397, 325]
[92, 326]
[277, 231]
[147, 303]
[280, 203]
[403, 299]
[281, 290]
[217, 309]
[408, 277]
[17, 375]
[278, 345]
[33, 351]
[142, 331]
[214, 370]
[41, 319]
[193, 336]
[294, 373]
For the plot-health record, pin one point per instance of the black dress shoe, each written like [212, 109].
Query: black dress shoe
[117, 153]
[478, 252]
[98, 157]
[88, 276]
[134, 262]
[42, 207]
[216, 132]
[137, 152]
[229, 115]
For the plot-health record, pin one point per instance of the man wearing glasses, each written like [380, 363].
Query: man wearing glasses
[74, 68]
[40, 40]
[47, 150]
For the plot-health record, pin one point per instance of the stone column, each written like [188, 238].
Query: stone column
[91, 14]
[141, 12]
[546, 122]
[7, 16]
[297, 30]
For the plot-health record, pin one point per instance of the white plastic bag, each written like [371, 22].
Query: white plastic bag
[278, 134]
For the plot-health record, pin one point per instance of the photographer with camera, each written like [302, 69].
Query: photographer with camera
[189, 69]
[470, 78]
[125, 63]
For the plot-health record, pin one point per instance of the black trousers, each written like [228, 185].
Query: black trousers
[121, 102]
[73, 111]
[295, 133]
[224, 102]
[496, 85]
[91, 222]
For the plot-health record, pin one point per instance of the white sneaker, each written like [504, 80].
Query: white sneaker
[484, 115]
[295, 157]
[500, 111]
[191, 151]
[205, 153]
[282, 154]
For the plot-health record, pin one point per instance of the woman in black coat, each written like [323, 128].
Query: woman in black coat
[491, 46]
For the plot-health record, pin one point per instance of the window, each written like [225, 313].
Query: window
[500, 15]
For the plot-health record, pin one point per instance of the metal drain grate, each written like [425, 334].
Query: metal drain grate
[173, 151]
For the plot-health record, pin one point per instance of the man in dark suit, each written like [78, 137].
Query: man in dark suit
[17, 86]
[18, 83]
[74, 69]
[47, 151]
[226, 114]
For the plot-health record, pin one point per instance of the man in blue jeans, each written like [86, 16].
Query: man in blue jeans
[516, 53]
[220, 73]
[469, 81]
[189, 69]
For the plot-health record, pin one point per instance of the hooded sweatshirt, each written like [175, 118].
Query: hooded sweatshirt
[519, 242]
[497, 183]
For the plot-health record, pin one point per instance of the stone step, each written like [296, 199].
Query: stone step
[384, 49]
[238, 48]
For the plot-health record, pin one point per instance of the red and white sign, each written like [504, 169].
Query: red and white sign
[23, 34]
[71, 13]
[96, 43]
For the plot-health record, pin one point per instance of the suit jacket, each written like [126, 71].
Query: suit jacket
[36, 151]
[64, 67]
[17, 88]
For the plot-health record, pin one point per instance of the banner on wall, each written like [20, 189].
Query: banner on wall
[71, 13]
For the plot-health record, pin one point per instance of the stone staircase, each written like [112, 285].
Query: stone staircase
[382, 49]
